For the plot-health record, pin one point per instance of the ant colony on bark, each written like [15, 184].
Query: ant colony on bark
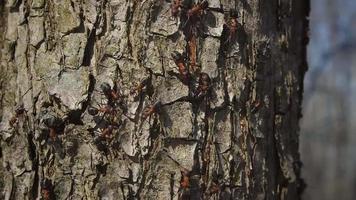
[115, 107]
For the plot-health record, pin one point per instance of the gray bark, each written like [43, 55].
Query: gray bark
[243, 136]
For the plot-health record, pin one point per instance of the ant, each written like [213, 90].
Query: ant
[185, 179]
[149, 110]
[255, 106]
[192, 44]
[183, 71]
[206, 158]
[139, 87]
[114, 95]
[110, 93]
[54, 125]
[105, 110]
[215, 186]
[230, 27]
[107, 132]
[203, 85]
[184, 184]
[19, 111]
[193, 15]
[197, 9]
[175, 7]
[47, 190]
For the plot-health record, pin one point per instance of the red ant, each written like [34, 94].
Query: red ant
[175, 7]
[111, 94]
[214, 188]
[231, 25]
[113, 115]
[54, 125]
[139, 87]
[47, 190]
[185, 184]
[107, 132]
[193, 14]
[105, 110]
[197, 9]
[19, 111]
[192, 44]
[255, 106]
[204, 85]
[206, 159]
[183, 71]
[149, 110]
[185, 179]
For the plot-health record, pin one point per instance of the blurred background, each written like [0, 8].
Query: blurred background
[328, 127]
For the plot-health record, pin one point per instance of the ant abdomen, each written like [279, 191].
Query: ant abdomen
[93, 111]
[105, 87]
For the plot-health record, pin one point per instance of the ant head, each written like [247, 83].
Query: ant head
[105, 87]
[20, 109]
[157, 106]
[216, 176]
[233, 13]
[52, 121]
[176, 55]
[204, 4]
[187, 3]
[93, 111]
[46, 184]
[110, 127]
[184, 172]
[145, 81]
[204, 77]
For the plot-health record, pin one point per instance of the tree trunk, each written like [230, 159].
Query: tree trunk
[178, 136]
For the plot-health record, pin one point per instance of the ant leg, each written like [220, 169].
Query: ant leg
[186, 22]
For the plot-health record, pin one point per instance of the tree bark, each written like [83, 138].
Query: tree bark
[238, 139]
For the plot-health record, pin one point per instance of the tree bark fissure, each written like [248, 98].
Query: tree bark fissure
[121, 100]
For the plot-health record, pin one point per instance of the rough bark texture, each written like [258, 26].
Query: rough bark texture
[240, 139]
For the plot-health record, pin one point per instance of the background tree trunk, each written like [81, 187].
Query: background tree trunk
[243, 136]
